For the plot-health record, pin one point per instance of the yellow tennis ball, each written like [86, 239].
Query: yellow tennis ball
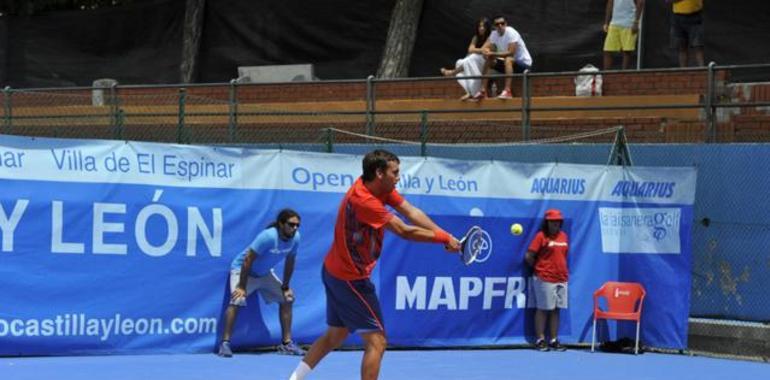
[516, 229]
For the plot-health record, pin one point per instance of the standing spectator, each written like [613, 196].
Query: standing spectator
[547, 253]
[505, 51]
[621, 23]
[252, 270]
[687, 30]
[473, 63]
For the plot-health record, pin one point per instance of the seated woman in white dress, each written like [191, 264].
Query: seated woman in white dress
[473, 64]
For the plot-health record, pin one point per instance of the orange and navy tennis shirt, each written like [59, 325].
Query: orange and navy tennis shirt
[359, 231]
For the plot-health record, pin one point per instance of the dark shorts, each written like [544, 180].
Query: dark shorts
[352, 304]
[687, 30]
[518, 68]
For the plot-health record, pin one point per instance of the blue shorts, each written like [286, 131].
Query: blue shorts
[352, 304]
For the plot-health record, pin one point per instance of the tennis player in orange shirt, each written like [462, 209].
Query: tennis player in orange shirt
[351, 298]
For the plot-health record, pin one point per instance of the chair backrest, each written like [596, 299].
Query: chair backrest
[622, 297]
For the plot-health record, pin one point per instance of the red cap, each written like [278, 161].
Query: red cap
[553, 214]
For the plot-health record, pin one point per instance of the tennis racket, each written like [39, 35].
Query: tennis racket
[471, 245]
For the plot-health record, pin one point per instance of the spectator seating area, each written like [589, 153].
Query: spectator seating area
[299, 112]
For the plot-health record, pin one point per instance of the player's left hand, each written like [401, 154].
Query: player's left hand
[288, 295]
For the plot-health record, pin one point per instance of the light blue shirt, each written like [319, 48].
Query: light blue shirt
[269, 249]
[623, 13]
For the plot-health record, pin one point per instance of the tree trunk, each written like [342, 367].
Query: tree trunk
[402, 34]
[191, 38]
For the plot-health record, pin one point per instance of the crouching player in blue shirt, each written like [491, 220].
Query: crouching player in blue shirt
[252, 270]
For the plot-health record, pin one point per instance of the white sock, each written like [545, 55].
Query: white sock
[302, 370]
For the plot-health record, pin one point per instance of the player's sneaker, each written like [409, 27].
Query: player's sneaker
[290, 349]
[556, 345]
[506, 94]
[224, 350]
[541, 345]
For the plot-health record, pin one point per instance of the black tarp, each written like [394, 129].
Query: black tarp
[3, 49]
[736, 32]
[133, 44]
[141, 43]
[342, 38]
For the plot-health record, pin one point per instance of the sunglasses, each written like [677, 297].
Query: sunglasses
[500, 23]
[293, 225]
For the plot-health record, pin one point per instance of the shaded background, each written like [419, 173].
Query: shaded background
[140, 43]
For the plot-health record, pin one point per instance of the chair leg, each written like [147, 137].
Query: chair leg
[593, 336]
[636, 347]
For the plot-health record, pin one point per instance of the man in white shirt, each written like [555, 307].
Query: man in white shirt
[506, 51]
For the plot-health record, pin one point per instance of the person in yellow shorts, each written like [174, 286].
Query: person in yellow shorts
[621, 23]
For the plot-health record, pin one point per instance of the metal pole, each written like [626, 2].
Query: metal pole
[639, 42]
[232, 125]
[119, 130]
[370, 105]
[180, 123]
[329, 140]
[710, 109]
[424, 133]
[525, 103]
[7, 104]
[114, 105]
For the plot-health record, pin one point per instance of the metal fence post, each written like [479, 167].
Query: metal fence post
[525, 104]
[7, 105]
[329, 140]
[180, 123]
[232, 125]
[119, 125]
[370, 105]
[114, 107]
[424, 133]
[711, 129]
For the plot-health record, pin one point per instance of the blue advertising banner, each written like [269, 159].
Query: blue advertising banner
[125, 247]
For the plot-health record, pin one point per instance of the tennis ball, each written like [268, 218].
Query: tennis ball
[516, 229]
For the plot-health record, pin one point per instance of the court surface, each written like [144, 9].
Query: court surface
[397, 365]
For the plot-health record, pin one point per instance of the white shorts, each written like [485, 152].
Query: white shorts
[269, 287]
[550, 295]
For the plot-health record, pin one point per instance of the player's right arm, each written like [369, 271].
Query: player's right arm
[248, 261]
[417, 233]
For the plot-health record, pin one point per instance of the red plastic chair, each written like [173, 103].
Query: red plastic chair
[624, 302]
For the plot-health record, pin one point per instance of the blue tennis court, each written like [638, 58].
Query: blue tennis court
[431, 364]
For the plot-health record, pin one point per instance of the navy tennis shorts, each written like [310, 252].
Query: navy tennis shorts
[352, 304]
